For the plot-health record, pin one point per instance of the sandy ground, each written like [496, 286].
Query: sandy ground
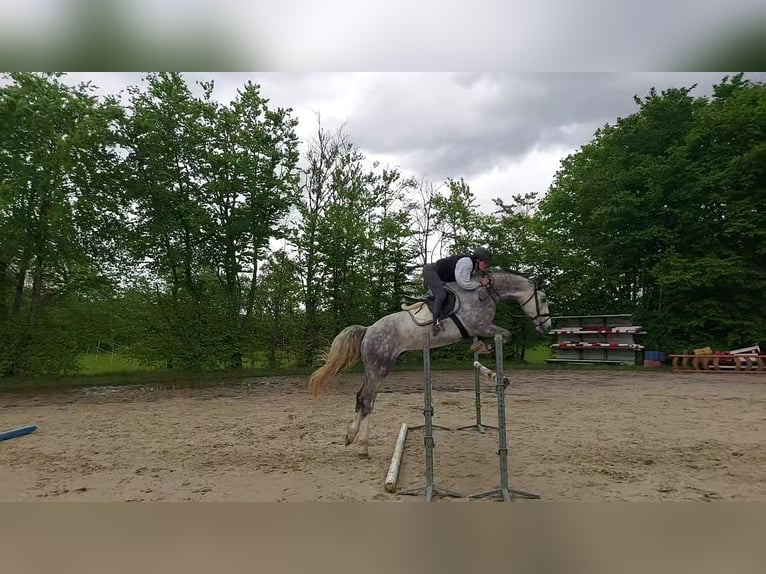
[573, 435]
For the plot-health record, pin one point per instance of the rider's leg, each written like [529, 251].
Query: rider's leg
[434, 282]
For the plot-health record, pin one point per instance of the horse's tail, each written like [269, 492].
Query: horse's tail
[344, 353]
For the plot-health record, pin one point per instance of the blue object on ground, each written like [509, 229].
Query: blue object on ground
[21, 431]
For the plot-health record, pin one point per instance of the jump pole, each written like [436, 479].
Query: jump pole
[479, 426]
[498, 376]
[429, 488]
[396, 460]
[21, 431]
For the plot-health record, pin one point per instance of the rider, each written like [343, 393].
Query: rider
[458, 268]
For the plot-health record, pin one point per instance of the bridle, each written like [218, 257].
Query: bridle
[490, 291]
[535, 294]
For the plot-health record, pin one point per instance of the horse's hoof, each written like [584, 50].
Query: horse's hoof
[481, 347]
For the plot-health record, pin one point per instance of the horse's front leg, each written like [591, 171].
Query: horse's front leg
[491, 330]
[488, 331]
[500, 331]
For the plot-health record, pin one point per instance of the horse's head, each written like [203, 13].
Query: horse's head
[528, 292]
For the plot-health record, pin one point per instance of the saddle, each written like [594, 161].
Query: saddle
[420, 308]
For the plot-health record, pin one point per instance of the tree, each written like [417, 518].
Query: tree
[393, 241]
[323, 158]
[514, 238]
[457, 218]
[278, 323]
[354, 238]
[714, 275]
[424, 223]
[661, 215]
[345, 239]
[251, 183]
[165, 138]
[60, 176]
[210, 186]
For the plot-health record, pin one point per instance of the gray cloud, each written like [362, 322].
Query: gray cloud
[461, 125]
[444, 125]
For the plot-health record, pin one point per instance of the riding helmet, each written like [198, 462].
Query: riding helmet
[482, 254]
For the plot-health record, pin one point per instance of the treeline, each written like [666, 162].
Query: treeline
[198, 235]
[663, 214]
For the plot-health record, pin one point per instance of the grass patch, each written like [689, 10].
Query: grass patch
[538, 355]
[108, 363]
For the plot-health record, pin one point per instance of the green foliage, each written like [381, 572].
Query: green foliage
[662, 215]
[354, 239]
[457, 219]
[278, 322]
[210, 188]
[107, 363]
[60, 212]
[538, 355]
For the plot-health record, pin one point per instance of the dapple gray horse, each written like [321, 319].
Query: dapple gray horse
[380, 344]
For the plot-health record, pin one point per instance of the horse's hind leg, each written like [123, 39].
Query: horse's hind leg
[353, 428]
[364, 433]
[365, 399]
[378, 354]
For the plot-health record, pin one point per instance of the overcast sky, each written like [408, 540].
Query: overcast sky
[504, 133]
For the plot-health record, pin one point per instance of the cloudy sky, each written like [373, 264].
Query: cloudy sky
[504, 133]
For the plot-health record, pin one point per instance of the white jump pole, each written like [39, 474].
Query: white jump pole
[489, 373]
[396, 460]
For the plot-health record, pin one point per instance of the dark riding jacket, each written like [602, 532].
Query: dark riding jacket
[446, 267]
